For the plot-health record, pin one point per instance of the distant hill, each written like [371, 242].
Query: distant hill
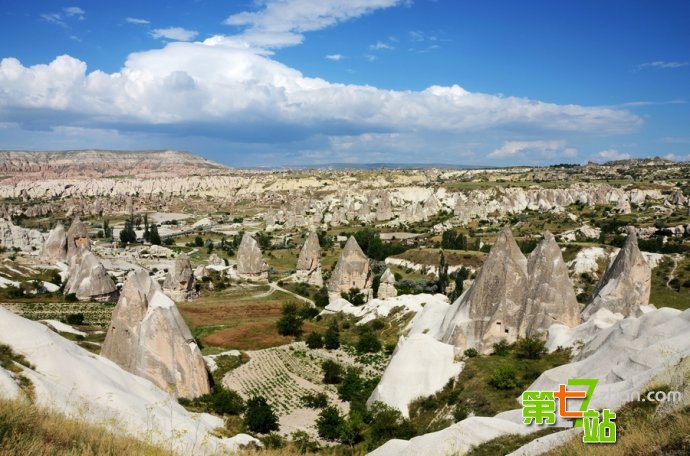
[29, 165]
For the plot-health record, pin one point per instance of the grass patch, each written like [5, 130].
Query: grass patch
[506, 444]
[677, 293]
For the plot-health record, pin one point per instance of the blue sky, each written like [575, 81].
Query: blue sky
[276, 82]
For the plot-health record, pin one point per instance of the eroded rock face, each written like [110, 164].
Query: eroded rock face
[77, 238]
[626, 284]
[550, 296]
[88, 278]
[513, 296]
[55, 247]
[148, 337]
[309, 262]
[387, 286]
[250, 261]
[179, 282]
[351, 271]
[26, 240]
[490, 310]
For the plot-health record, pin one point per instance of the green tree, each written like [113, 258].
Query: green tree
[368, 343]
[501, 348]
[259, 416]
[354, 296]
[198, 241]
[128, 235]
[154, 237]
[290, 324]
[226, 402]
[147, 233]
[328, 423]
[314, 340]
[351, 385]
[332, 372]
[503, 378]
[442, 273]
[321, 297]
[532, 347]
[388, 423]
[351, 429]
[331, 338]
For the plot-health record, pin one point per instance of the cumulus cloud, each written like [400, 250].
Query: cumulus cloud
[335, 57]
[282, 22]
[380, 45]
[543, 149]
[174, 33]
[137, 21]
[613, 154]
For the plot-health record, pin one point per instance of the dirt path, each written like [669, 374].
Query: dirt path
[672, 275]
[273, 287]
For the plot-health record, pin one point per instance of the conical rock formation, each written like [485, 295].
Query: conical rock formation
[387, 286]
[351, 271]
[88, 278]
[309, 262]
[550, 295]
[77, 238]
[55, 247]
[250, 261]
[148, 337]
[179, 282]
[626, 284]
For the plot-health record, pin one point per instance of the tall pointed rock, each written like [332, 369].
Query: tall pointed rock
[351, 271]
[490, 309]
[626, 284]
[550, 295]
[77, 238]
[55, 247]
[179, 282]
[309, 262]
[148, 337]
[250, 261]
[387, 286]
[88, 278]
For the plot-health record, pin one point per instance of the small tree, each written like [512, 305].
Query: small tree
[127, 235]
[368, 343]
[198, 241]
[532, 347]
[314, 340]
[332, 372]
[331, 339]
[354, 296]
[321, 297]
[259, 416]
[501, 348]
[351, 386]
[503, 378]
[154, 237]
[471, 353]
[328, 423]
[290, 324]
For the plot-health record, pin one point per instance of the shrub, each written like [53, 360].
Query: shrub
[331, 338]
[321, 297]
[460, 412]
[388, 423]
[290, 324]
[75, 319]
[351, 385]
[332, 372]
[503, 378]
[368, 343]
[354, 296]
[304, 443]
[226, 402]
[273, 441]
[315, 401]
[260, 416]
[471, 353]
[314, 340]
[328, 423]
[532, 347]
[308, 312]
[377, 324]
[501, 348]
[71, 297]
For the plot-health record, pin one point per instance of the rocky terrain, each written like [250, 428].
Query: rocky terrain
[395, 295]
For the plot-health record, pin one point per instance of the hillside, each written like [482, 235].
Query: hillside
[29, 165]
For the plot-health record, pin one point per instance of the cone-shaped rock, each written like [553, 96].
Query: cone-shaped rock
[250, 261]
[55, 247]
[77, 238]
[148, 337]
[88, 278]
[550, 295]
[351, 271]
[490, 310]
[626, 284]
[387, 286]
[179, 282]
[309, 262]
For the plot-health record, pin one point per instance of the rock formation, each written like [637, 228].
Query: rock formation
[512, 296]
[550, 295]
[351, 271]
[309, 262]
[55, 247]
[179, 282]
[148, 337]
[387, 286]
[490, 310]
[250, 262]
[16, 237]
[626, 284]
[88, 278]
[77, 238]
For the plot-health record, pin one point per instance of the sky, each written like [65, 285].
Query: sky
[304, 82]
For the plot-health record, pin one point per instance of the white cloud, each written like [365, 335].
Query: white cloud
[544, 149]
[54, 18]
[174, 33]
[74, 11]
[662, 64]
[677, 158]
[380, 45]
[570, 152]
[137, 21]
[335, 57]
[282, 22]
[613, 154]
